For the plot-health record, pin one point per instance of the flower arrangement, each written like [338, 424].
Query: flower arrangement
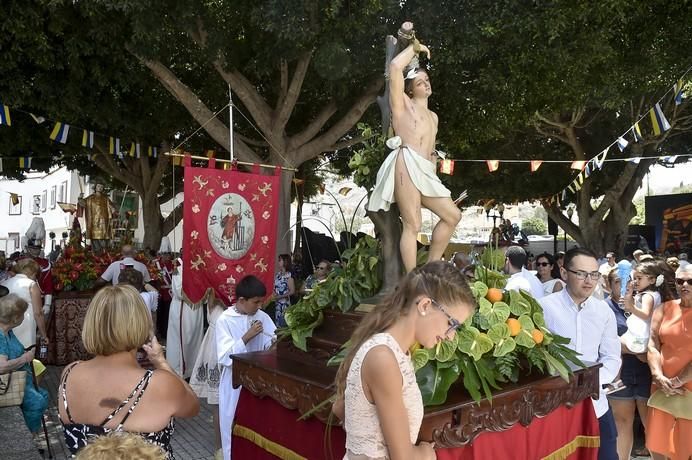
[506, 337]
[78, 268]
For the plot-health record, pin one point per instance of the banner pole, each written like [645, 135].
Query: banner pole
[230, 122]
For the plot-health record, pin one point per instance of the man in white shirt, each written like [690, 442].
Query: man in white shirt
[113, 271]
[591, 326]
[521, 278]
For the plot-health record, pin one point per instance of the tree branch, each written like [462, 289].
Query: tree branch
[283, 71]
[341, 127]
[348, 143]
[172, 219]
[289, 102]
[542, 130]
[314, 127]
[199, 111]
[251, 99]
[107, 164]
[250, 141]
[548, 121]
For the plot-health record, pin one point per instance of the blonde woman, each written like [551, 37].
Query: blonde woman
[111, 392]
[24, 284]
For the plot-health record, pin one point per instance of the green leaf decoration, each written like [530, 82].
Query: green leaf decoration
[498, 332]
[539, 320]
[420, 358]
[473, 342]
[434, 381]
[445, 350]
[524, 338]
[481, 290]
[496, 313]
[484, 305]
[300, 335]
[504, 347]
[518, 305]
[472, 382]
[533, 303]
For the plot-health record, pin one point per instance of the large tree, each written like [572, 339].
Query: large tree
[557, 80]
[300, 74]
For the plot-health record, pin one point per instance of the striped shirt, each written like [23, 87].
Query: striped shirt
[592, 329]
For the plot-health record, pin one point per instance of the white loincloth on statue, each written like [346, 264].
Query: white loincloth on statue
[422, 172]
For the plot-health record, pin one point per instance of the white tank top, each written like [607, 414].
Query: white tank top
[364, 438]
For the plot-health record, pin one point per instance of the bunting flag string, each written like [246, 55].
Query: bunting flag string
[88, 139]
[25, 162]
[60, 132]
[5, 118]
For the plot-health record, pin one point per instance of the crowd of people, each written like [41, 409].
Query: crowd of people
[632, 316]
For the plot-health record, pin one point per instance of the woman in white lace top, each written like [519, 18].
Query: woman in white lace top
[377, 395]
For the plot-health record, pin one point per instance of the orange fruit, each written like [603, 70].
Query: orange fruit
[514, 326]
[494, 295]
[537, 336]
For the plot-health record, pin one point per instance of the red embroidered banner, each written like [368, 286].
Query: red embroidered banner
[229, 230]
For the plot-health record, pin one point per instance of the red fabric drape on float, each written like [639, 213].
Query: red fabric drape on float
[265, 430]
[229, 230]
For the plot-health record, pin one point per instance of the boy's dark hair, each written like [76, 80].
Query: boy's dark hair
[516, 256]
[574, 252]
[132, 277]
[250, 287]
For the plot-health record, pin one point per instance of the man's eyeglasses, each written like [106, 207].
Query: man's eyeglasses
[543, 264]
[681, 282]
[454, 324]
[582, 275]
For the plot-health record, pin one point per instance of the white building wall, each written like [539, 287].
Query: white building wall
[15, 221]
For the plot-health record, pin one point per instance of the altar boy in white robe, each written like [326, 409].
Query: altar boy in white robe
[241, 328]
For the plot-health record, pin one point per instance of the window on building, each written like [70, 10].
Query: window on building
[13, 238]
[36, 204]
[15, 206]
[53, 196]
[44, 201]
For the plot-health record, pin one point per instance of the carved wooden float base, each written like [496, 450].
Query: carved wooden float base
[300, 381]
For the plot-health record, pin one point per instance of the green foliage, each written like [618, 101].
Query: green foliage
[358, 277]
[366, 161]
[488, 353]
[534, 226]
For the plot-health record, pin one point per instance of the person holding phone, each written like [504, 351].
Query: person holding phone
[111, 392]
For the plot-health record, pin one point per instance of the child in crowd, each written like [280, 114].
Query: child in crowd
[377, 396]
[242, 328]
[206, 374]
[649, 282]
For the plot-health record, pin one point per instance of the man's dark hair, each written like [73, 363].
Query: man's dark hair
[249, 287]
[133, 277]
[574, 252]
[516, 256]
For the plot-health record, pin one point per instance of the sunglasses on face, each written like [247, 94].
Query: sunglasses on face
[543, 264]
[454, 324]
[320, 268]
[681, 282]
[582, 275]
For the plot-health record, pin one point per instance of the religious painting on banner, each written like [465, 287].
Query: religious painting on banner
[229, 228]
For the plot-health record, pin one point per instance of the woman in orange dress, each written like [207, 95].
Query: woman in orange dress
[670, 360]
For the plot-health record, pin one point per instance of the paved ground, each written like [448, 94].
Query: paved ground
[193, 438]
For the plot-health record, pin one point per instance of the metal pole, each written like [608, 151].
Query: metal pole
[230, 121]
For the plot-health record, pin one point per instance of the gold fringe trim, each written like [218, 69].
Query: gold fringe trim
[568, 449]
[273, 448]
